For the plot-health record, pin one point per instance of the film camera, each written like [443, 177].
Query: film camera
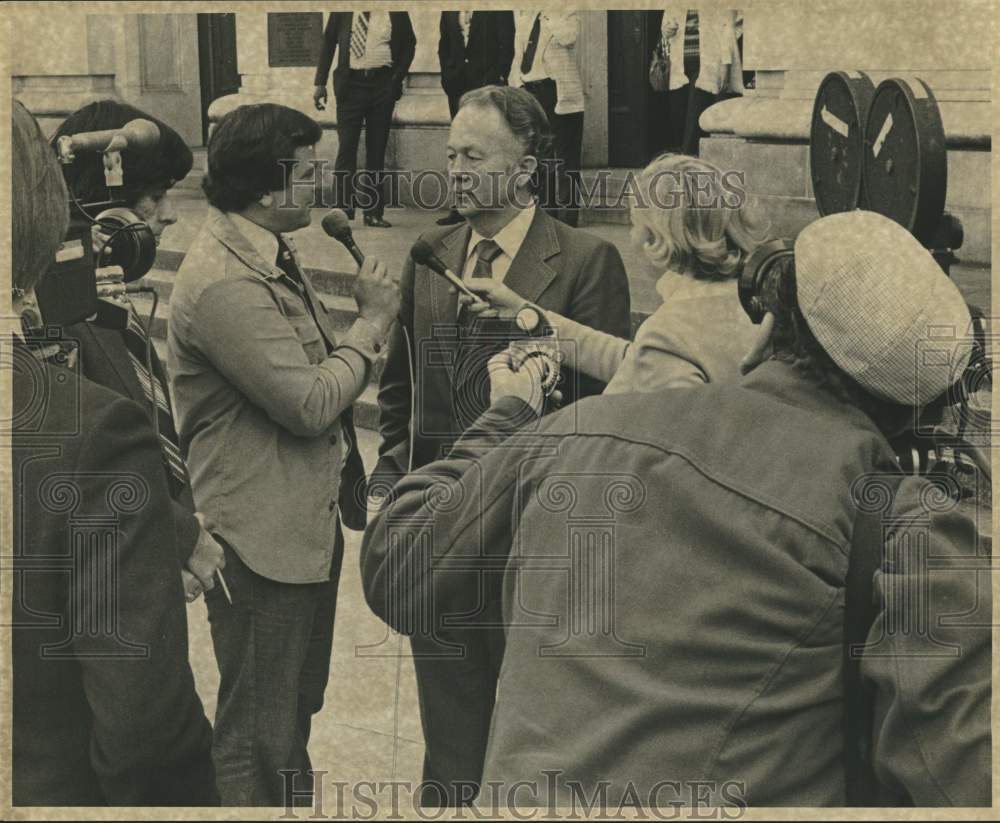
[107, 245]
[883, 150]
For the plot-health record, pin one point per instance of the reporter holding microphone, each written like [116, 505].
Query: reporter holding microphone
[264, 389]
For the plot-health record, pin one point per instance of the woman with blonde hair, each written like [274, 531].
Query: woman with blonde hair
[693, 223]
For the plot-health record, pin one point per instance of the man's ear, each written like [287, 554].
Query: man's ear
[266, 200]
[761, 348]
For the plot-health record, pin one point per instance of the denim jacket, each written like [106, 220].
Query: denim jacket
[263, 412]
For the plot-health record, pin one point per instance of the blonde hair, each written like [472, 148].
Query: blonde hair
[692, 217]
[39, 207]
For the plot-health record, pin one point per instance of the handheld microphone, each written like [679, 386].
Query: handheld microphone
[423, 254]
[138, 133]
[337, 226]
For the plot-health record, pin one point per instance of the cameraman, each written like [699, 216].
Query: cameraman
[264, 391]
[117, 357]
[104, 705]
[716, 607]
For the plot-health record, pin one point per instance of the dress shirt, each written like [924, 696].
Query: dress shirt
[377, 51]
[509, 239]
[465, 22]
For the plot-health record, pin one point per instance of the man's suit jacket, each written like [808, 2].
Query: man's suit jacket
[91, 727]
[337, 38]
[487, 57]
[103, 359]
[557, 267]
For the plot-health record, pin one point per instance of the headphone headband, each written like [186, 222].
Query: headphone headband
[755, 270]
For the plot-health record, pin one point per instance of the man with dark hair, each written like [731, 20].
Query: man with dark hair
[375, 51]
[681, 568]
[493, 149]
[475, 49]
[120, 355]
[264, 389]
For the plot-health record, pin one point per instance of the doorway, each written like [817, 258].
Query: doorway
[637, 116]
[217, 61]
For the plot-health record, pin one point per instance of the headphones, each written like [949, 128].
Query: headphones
[754, 274]
[126, 241]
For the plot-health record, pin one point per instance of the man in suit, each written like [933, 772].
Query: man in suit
[493, 149]
[374, 51]
[105, 710]
[546, 66]
[264, 389]
[114, 349]
[476, 49]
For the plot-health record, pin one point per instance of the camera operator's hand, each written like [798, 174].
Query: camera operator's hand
[319, 97]
[514, 373]
[205, 559]
[493, 294]
[192, 586]
[377, 294]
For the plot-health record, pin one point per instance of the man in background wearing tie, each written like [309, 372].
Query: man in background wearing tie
[494, 144]
[476, 49]
[546, 66]
[264, 389]
[375, 51]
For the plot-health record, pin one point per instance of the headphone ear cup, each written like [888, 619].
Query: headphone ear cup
[755, 271]
[131, 243]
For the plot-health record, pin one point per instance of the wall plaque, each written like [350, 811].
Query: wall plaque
[294, 38]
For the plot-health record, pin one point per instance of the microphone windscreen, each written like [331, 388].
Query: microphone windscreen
[422, 253]
[336, 224]
[141, 133]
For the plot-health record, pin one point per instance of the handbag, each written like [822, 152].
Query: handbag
[659, 68]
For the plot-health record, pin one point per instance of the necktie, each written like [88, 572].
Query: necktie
[529, 49]
[486, 252]
[359, 34]
[286, 262]
[154, 387]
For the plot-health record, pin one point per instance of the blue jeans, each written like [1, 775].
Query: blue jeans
[273, 649]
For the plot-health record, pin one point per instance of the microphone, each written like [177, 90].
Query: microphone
[423, 254]
[337, 226]
[138, 133]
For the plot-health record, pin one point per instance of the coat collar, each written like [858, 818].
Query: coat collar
[227, 232]
[529, 273]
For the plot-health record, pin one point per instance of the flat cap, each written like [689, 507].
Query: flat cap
[881, 307]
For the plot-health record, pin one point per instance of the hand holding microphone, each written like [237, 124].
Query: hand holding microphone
[376, 293]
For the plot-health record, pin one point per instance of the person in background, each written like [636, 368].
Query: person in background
[545, 65]
[681, 568]
[105, 711]
[693, 225]
[476, 49]
[124, 359]
[374, 51]
[705, 58]
[264, 391]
